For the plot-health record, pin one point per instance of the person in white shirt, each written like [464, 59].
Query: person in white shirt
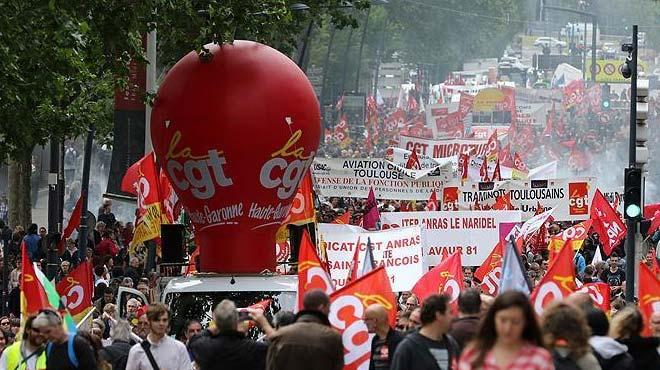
[166, 352]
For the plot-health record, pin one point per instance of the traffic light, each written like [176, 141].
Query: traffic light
[641, 115]
[632, 198]
[605, 103]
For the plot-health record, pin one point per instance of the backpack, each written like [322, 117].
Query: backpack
[70, 350]
[115, 356]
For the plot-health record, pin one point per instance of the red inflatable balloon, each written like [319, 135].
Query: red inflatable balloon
[235, 135]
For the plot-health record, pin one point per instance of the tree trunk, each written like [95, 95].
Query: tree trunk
[20, 204]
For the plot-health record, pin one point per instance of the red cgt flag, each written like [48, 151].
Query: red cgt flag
[606, 223]
[557, 283]
[347, 306]
[302, 207]
[599, 293]
[432, 204]
[446, 278]
[503, 202]
[344, 219]
[77, 290]
[490, 272]
[312, 273]
[649, 295]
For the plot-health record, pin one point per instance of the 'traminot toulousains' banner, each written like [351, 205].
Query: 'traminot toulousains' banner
[571, 197]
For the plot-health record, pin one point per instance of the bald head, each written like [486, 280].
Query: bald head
[375, 317]
[654, 322]
[580, 300]
[486, 302]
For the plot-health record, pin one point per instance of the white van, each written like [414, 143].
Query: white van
[194, 297]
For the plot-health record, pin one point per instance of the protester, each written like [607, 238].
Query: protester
[192, 327]
[142, 326]
[465, 327]
[509, 337]
[430, 347]
[626, 327]
[611, 354]
[28, 352]
[310, 340]
[414, 321]
[224, 344]
[566, 333]
[615, 277]
[385, 340]
[654, 323]
[116, 354]
[61, 345]
[283, 318]
[158, 350]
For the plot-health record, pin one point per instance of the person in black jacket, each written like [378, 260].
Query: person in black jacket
[116, 354]
[430, 347]
[384, 343]
[611, 354]
[225, 346]
[626, 327]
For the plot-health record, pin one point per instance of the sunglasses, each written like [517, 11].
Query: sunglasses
[4, 323]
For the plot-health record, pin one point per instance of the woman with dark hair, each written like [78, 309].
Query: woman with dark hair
[611, 354]
[508, 338]
[626, 327]
[566, 333]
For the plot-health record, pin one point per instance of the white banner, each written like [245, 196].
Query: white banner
[443, 148]
[424, 165]
[399, 250]
[352, 177]
[571, 197]
[473, 233]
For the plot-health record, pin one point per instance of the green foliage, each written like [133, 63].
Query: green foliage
[61, 61]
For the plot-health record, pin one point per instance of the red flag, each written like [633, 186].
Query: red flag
[302, 207]
[606, 223]
[33, 296]
[432, 204]
[573, 94]
[347, 307]
[599, 293]
[413, 161]
[447, 277]
[490, 271]
[557, 283]
[77, 289]
[503, 202]
[142, 180]
[465, 104]
[169, 198]
[74, 222]
[655, 223]
[493, 146]
[371, 214]
[463, 161]
[192, 265]
[497, 176]
[483, 171]
[505, 156]
[576, 234]
[518, 163]
[312, 273]
[344, 219]
[649, 295]
[450, 198]
[353, 272]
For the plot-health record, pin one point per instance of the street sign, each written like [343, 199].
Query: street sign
[609, 70]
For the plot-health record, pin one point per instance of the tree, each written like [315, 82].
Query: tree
[60, 62]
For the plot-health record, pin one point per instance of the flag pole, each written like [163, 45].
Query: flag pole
[84, 193]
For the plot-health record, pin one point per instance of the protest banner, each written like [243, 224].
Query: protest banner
[418, 165]
[443, 148]
[353, 177]
[398, 250]
[571, 197]
[472, 233]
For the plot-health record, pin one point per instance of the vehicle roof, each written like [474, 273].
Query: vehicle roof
[242, 283]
